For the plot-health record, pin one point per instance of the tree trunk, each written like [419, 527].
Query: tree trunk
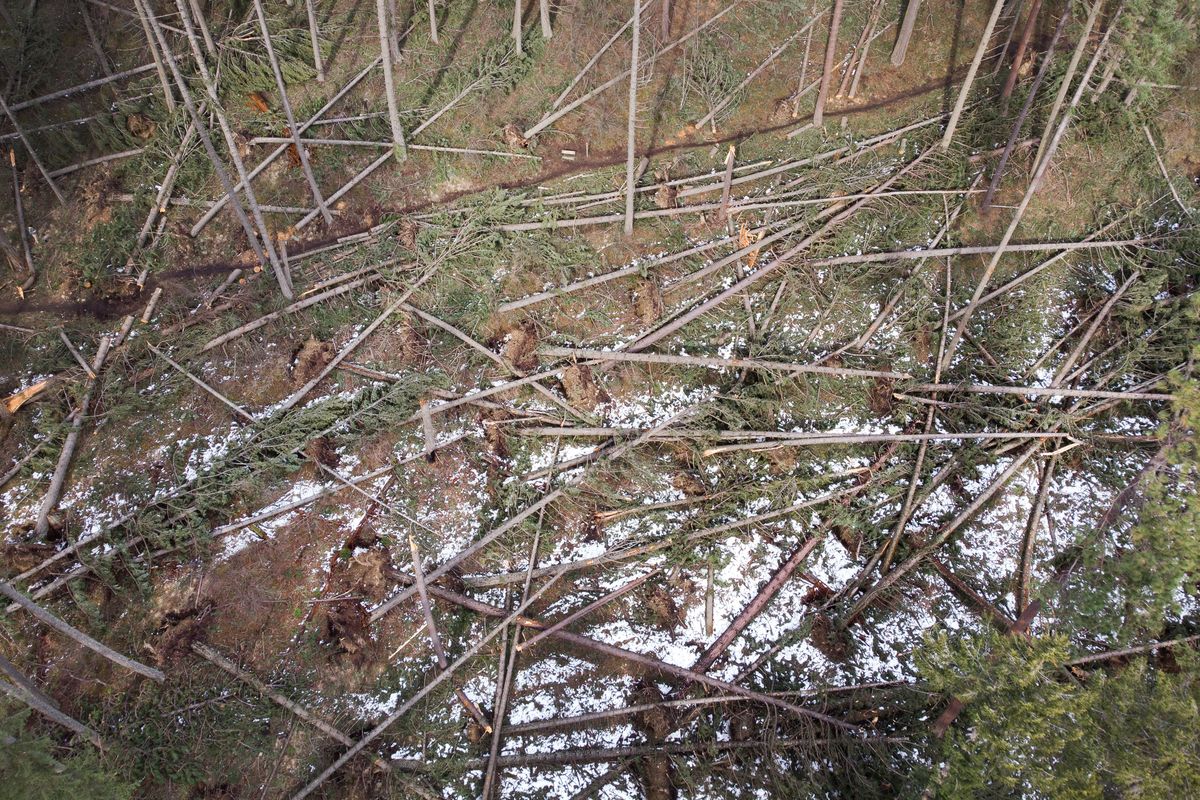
[433, 21]
[1020, 121]
[39, 703]
[631, 129]
[906, 31]
[1065, 84]
[827, 75]
[266, 246]
[77, 635]
[144, 14]
[1014, 70]
[1052, 136]
[544, 15]
[389, 80]
[314, 35]
[202, 24]
[291, 118]
[105, 67]
[29, 149]
[516, 28]
[961, 102]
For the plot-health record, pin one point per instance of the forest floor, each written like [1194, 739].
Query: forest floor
[265, 478]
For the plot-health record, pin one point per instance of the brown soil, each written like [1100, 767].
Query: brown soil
[648, 301]
[178, 631]
[309, 359]
[521, 348]
[581, 388]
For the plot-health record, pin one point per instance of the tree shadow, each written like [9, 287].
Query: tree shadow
[451, 52]
[955, 44]
[343, 30]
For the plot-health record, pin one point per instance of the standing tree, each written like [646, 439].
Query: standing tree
[906, 31]
[1014, 71]
[827, 75]
[389, 80]
[516, 29]
[631, 131]
[314, 35]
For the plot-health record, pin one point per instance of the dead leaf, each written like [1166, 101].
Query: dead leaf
[293, 153]
[258, 102]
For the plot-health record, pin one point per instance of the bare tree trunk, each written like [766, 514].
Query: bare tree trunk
[1012, 31]
[803, 74]
[1014, 70]
[631, 129]
[105, 67]
[516, 28]
[40, 703]
[961, 102]
[1020, 121]
[857, 51]
[592, 62]
[1052, 136]
[389, 81]
[144, 14]
[291, 118]
[900, 49]
[266, 162]
[827, 75]
[59, 479]
[29, 148]
[22, 227]
[433, 21]
[665, 32]
[554, 116]
[78, 635]
[202, 24]
[544, 15]
[1065, 84]
[314, 35]
[218, 167]
[876, 12]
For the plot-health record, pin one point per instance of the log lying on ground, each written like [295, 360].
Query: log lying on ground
[77, 635]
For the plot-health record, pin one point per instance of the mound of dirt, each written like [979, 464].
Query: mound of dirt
[662, 607]
[178, 631]
[348, 628]
[648, 301]
[581, 388]
[309, 359]
[521, 347]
